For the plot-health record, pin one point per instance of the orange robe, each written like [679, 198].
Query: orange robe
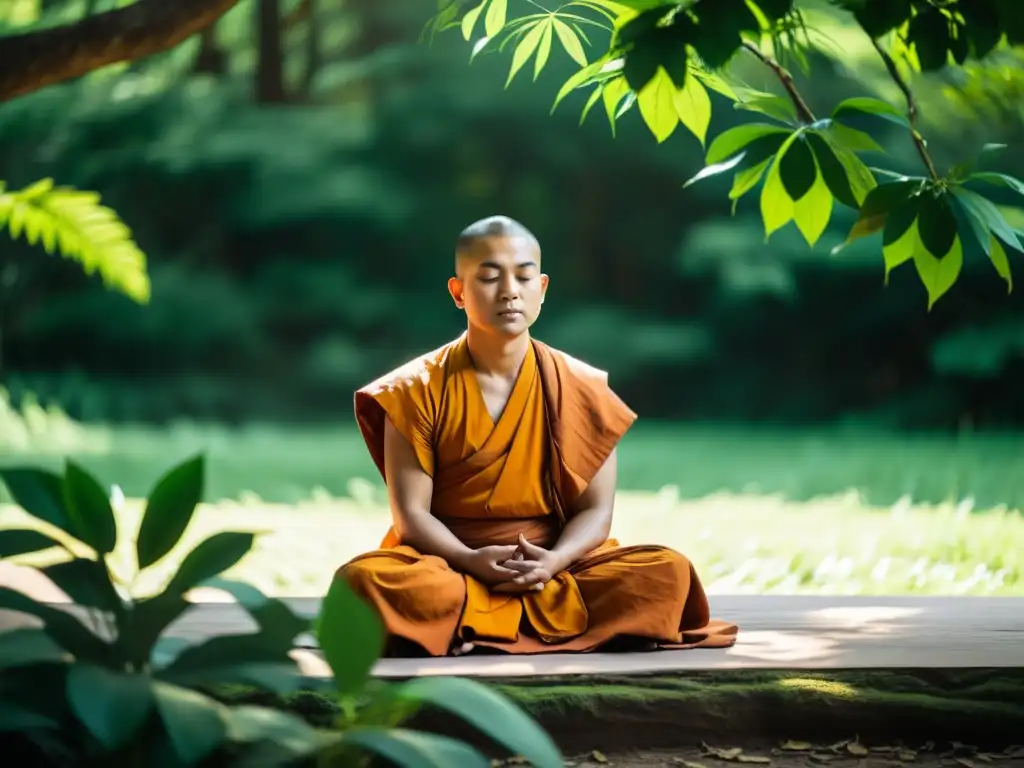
[523, 474]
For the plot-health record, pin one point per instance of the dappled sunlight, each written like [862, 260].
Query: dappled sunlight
[815, 685]
[865, 620]
[778, 647]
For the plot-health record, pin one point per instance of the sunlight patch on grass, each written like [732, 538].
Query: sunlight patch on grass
[815, 685]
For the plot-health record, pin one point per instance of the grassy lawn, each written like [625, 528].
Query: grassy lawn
[758, 512]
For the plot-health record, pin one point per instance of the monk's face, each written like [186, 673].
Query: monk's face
[499, 284]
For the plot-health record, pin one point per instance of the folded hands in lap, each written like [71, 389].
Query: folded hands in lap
[514, 569]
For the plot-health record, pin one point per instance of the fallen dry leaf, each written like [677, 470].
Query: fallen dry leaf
[687, 763]
[964, 762]
[598, 756]
[907, 755]
[796, 746]
[856, 748]
[752, 759]
[984, 757]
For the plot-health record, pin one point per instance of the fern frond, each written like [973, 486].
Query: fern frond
[74, 223]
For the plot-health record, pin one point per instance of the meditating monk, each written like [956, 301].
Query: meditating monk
[499, 456]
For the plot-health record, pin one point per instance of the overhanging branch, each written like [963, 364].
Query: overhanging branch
[33, 60]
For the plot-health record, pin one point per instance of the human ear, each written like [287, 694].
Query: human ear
[455, 288]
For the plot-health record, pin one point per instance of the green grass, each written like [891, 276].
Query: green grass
[757, 511]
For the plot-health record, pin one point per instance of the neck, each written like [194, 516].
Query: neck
[497, 355]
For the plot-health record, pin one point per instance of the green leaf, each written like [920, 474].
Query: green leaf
[577, 80]
[24, 541]
[746, 180]
[897, 248]
[543, 48]
[280, 677]
[169, 510]
[863, 105]
[62, 626]
[415, 749]
[812, 211]
[729, 142]
[774, 10]
[938, 275]
[210, 558]
[936, 224]
[693, 105]
[877, 206]
[776, 206]
[900, 219]
[982, 27]
[195, 724]
[15, 717]
[718, 34]
[570, 42]
[146, 621]
[489, 712]
[657, 105]
[275, 619]
[797, 168]
[977, 208]
[997, 255]
[494, 20]
[880, 18]
[350, 635]
[928, 32]
[591, 101]
[26, 647]
[112, 706]
[225, 652]
[852, 139]
[86, 582]
[89, 509]
[39, 493]
[527, 45]
[833, 173]
[469, 20]
[614, 92]
[999, 180]
[767, 104]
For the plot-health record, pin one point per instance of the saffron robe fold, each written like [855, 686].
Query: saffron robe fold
[523, 474]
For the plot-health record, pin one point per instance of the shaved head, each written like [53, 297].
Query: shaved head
[493, 227]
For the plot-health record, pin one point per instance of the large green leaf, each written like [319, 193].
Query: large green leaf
[210, 558]
[833, 173]
[693, 105]
[169, 510]
[89, 509]
[24, 541]
[936, 224]
[657, 105]
[489, 712]
[414, 749]
[248, 724]
[64, 628]
[865, 105]
[983, 28]
[350, 635]
[718, 34]
[878, 17]
[997, 255]
[898, 248]
[734, 140]
[16, 717]
[87, 582]
[526, 47]
[776, 207]
[230, 655]
[812, 212]
[494, 19]
[26, 646]
[999, 180]
[982, 210]
[196, 725]
[276, 620]
[146, 621]
[797, 168]
[878, 204]
[774, 10]
[39, 493]
[928, 32]
[111, 705]
[938, 275]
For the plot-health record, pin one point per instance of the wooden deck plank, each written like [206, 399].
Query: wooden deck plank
[776, 632]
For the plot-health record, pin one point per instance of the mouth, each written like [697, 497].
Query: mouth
[510, 313]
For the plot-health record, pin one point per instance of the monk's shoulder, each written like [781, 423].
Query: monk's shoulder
[419, 379]
[580, 369]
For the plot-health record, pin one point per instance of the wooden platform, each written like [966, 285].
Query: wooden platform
[776, 632]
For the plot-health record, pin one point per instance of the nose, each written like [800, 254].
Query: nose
[509, 288]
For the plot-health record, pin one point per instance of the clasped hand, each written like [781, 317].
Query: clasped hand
[518, 568]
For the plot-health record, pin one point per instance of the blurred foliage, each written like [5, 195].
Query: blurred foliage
[298, 245]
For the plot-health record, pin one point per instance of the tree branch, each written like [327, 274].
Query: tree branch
[902, 84]
[802, 110]
[42, 57]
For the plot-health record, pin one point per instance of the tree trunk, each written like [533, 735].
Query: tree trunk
[34, 60]
[210, 60]
[270, 87]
